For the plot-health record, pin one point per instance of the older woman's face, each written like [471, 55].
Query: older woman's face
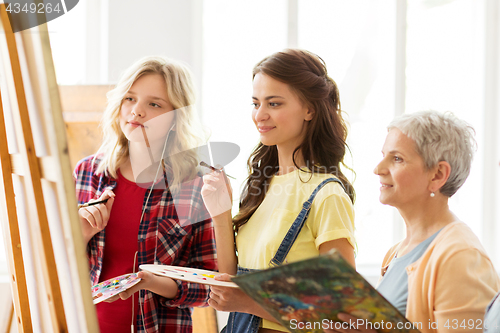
[403, 177]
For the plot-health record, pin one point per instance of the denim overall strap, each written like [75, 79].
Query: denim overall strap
[238, 322]
[297, 225]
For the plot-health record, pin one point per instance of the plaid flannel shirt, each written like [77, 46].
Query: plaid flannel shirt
[180, 240]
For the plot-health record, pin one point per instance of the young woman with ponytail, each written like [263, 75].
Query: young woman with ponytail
[302, 146]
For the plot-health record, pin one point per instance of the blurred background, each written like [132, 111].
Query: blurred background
[387, 56]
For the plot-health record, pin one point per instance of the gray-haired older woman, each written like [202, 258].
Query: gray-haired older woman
[439, 276]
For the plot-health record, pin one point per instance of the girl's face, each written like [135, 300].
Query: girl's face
[280, 116]
[403, 176]
[146, 107]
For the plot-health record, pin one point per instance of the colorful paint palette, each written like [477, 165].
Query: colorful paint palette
[109, 288]
[188, 274]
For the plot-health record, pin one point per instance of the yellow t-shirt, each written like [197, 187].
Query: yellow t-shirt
[331, 217]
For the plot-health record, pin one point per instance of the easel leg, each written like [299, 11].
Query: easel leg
[10, 318]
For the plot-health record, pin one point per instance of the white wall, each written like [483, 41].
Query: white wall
[136, 29]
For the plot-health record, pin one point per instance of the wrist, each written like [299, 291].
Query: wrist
[87, 238]
[252, 306]
[173, 290]
[223, 220]
[163, 286]
[89, 235]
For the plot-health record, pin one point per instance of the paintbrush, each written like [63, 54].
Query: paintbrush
[203, 164]
[93, 203]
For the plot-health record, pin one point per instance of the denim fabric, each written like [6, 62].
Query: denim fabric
[248, 323]
[492, 318]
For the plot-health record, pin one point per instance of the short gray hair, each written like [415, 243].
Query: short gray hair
[441, 137]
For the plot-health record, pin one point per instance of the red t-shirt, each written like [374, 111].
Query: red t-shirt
[119, 251]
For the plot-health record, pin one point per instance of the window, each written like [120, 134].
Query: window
[248, 32]
[357, 41]
[445, 63]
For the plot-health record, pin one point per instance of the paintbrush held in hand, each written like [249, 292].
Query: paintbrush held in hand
[203, 164]
[93, 203]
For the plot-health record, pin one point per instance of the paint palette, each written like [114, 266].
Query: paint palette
[109, 288]
[188, 274]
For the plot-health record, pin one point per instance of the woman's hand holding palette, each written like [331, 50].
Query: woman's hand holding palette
[109, 288]
[188, 274]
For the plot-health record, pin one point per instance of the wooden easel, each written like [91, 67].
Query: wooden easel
[48, 266]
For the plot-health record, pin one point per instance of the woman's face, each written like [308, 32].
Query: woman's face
[146, 107]
[403, 176]
[280, 116]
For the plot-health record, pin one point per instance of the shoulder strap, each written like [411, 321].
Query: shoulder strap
[297, 225]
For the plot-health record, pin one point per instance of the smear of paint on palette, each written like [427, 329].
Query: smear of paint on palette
[178, 272]
[109, 288]
[166, 271]
[188, 274]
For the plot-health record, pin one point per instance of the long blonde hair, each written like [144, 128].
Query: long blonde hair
[187, 136]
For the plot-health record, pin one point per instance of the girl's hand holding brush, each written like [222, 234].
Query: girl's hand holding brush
[94, 216]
